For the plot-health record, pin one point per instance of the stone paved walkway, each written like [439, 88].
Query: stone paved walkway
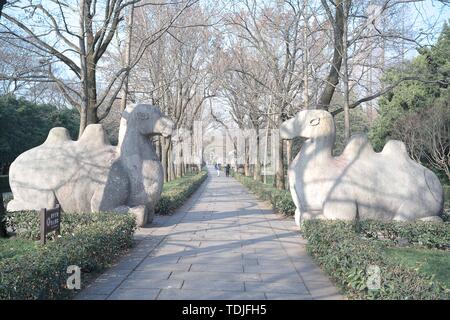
[222, 244]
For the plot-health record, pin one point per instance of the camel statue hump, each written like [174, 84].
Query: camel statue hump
[357, 146]
[57, 135]
[395, 148]
[95, 135]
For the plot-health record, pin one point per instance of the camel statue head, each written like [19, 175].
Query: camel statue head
[308, 124]
[148, 119]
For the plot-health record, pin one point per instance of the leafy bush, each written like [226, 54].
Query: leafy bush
[90, 241]
[430, 235]
[280, 200]
[24, 125]
[346, 255]
[26, 224]
[176, 192]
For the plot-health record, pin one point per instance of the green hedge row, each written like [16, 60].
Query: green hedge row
[430, 235]
[346, 255]
[26, 224]
[176, 192]
[280, 200]
[90, 241]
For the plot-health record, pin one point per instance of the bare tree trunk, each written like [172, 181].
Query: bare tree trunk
[289, 152]
[274, 181]
[179, 171]
[246, 159]
[123, 102]
[164, 158]
[2, 3]
[83, 69]
[171, 162]
[345, 71]
[91, 79]
[280, 183]
[266, 147]
[257, 172]
[87, 116]
[306, 56]
[333, 75]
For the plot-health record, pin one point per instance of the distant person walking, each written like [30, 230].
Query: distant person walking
[217, 167]
[227, 170]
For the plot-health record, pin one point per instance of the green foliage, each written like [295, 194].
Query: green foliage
[4, 184]
[92, 244]
[16, 247]
[430, 235]
[176, 192]
[280, 200]
[429, 261]
[24, 125]
[26, 224]
[2, 216]
[358, 124]
[409, 105]
[346, 255]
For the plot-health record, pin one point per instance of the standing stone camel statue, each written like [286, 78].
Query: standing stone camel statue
[360, 183]
[91, 175]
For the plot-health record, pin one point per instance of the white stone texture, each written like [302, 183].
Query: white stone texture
[91, 175]
[359, 182]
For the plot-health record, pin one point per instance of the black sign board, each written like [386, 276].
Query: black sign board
[50, 221]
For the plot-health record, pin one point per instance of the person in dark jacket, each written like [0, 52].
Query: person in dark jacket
[227, 170]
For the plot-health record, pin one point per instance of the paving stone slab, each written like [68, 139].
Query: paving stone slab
[222, 243]
[209, 275]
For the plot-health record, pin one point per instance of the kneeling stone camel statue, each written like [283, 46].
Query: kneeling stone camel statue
[91, 175]
[360, 183]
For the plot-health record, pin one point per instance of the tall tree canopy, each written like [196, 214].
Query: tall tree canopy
[24, 125]
[418, 112]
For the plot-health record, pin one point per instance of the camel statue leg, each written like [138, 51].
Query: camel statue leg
[150, 212]
[404, 214]
[340, 209]
[298, 213]
[140, 212]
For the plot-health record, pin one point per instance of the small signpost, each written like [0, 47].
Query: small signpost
[50, 221]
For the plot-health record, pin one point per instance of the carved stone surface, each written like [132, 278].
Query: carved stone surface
[359, 183]
[91, 175]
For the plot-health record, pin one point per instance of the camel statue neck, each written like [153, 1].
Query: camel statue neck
[321, 145]
[132, 142]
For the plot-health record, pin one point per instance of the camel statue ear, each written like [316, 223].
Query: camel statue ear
[314, 122]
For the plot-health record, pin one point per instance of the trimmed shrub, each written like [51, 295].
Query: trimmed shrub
[90, 241]
[430, 235]
[280, 200]
[176, 192]
[346, 255]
